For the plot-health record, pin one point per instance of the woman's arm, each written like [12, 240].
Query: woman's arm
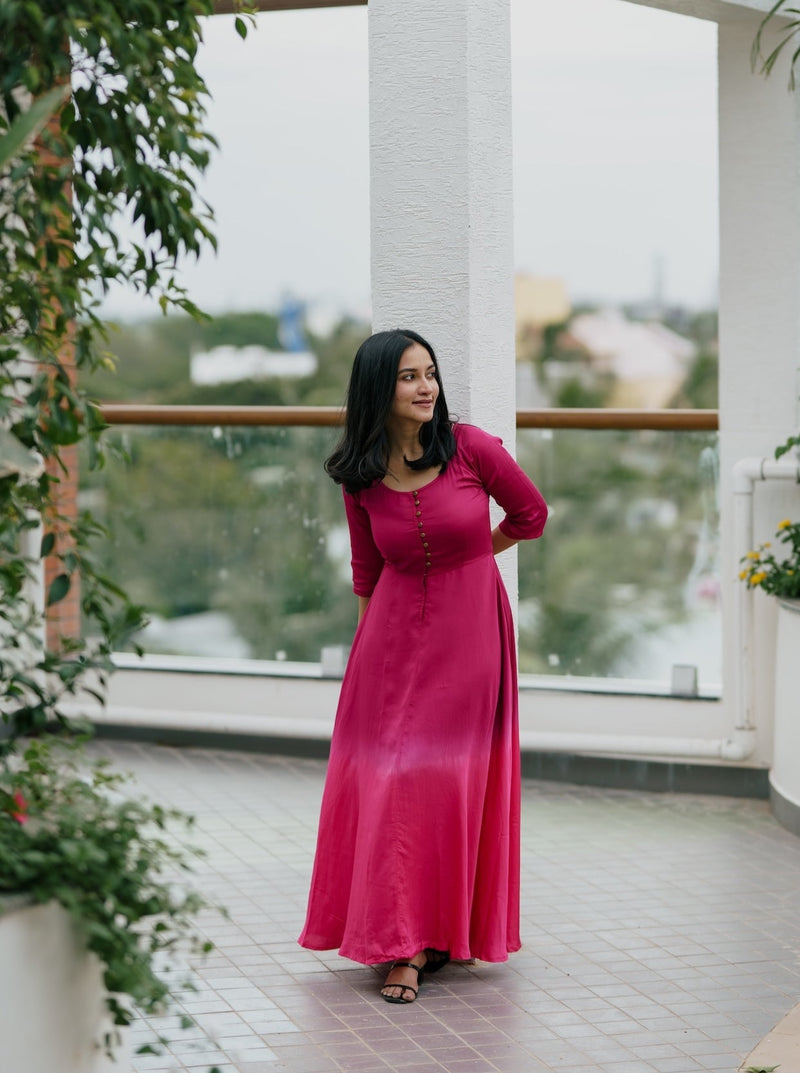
[501, 542]
[365, 558]
[362, 606]
[509, 486]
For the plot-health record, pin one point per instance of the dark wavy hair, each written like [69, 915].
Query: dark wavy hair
[362, 454]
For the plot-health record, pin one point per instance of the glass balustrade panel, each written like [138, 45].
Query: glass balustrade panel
[236, 542]
[626, 582]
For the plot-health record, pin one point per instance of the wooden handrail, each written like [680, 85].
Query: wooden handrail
[230, 7]
[309, 416]
[331, 416]
[669, 420]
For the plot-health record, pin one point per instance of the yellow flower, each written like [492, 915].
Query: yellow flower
[752, 555]
[758, 577]
[742, 574]
[767, 545]
[784, 524]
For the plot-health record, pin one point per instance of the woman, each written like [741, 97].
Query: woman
[418, 849]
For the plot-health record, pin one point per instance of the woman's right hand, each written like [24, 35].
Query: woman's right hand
[362, 606]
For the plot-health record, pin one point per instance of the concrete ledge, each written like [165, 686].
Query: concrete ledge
[600, 738]
[239, 741]
[659, 776]
[785, 811]
[608, 771]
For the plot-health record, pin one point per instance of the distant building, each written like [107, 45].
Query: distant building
[229, 364]
[539, 301]
[648, 361]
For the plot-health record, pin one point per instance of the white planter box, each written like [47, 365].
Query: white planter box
[785, 774]
[53, 1015]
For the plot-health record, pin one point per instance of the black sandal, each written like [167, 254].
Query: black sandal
[436, 959]
[400, 999]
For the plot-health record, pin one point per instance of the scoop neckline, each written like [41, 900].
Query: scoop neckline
[411, 491]
[441, 473]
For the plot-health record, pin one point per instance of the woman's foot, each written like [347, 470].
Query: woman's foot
[435, 959]
[404, 979]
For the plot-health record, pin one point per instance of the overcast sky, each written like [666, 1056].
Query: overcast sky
[614, 143]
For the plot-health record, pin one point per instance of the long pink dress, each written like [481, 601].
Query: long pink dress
[418, 840]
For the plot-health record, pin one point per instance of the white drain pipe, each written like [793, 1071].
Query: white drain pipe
[738, 747]
[745, 474]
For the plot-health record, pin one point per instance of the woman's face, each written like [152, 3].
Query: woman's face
[416, 387]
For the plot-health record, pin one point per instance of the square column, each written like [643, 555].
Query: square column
[441, 193]
[759, 314]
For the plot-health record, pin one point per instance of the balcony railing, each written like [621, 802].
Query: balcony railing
[327, 416]
[224, 523]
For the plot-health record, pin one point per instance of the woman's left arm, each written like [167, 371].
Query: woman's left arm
[510, 487]
[501, 542]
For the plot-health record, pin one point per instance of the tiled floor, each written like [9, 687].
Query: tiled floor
[661, 935]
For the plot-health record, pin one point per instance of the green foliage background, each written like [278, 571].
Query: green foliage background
[234, 520]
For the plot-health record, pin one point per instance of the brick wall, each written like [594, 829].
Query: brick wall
[63, 619]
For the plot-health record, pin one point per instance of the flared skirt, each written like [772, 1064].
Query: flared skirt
[418, 842]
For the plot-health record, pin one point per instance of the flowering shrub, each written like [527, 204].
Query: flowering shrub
[19, 808]
[778, 577]
[115, 127]
[68, 834]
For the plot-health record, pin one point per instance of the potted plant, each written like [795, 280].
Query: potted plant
[776, 571]
[69, 837]
[762, 569]
[101, 117]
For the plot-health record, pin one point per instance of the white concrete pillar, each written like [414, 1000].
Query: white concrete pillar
[442, 242]
[759, 156]
[441, 194]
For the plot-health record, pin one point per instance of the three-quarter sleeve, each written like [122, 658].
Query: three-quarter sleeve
[366, 560]
[506, 482]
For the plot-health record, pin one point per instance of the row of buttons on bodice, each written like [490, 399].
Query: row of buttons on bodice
[421, 528]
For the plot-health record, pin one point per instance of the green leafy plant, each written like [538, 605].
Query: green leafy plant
[102, 133]
[101, 120]
[789, 28]
[29, 124]
[785, 448]
[68, 834]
